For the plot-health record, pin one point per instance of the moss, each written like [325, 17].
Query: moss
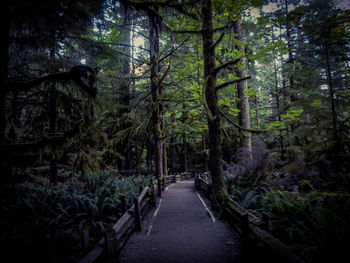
[221, 194]
[306, 186]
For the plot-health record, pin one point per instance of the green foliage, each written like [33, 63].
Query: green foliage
[292, 115]
[53, 217]
[276, 125]
[317, 104]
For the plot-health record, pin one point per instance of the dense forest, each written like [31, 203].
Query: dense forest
[99, 96]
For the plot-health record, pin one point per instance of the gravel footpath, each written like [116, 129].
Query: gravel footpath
[182, 230]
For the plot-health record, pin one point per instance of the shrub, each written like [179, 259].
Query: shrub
[45, 222]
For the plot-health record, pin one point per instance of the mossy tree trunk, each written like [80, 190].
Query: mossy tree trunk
[243, 102]
[154, 31]
[52, 129]
[184, 137]
[215, 150]
[124, 90]
[4, 59]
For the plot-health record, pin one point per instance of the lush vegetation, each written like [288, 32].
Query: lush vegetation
[95, 93]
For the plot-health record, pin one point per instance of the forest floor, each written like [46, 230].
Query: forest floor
[182, 229]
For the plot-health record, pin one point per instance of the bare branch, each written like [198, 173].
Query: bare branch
[222, 66]
[218, 41]
[188, 31]
[231, 82]
[238, 126]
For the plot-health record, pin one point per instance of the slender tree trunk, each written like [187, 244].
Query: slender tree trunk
[4, 60]
[149, 157]
[184, 137]
[165, 159]
[123, 147]
[52, 129]
[184, 147]
[277, 97]
[243, 103]
[154, 30]
[173, 153]
[290, 51]
[205, 154]
[257, 113]
[215, 150]
[331, 91]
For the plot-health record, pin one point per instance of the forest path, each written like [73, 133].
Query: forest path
[182, 230]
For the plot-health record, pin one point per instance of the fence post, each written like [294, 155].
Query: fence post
[153, 194]
[245, 232]
[123, 203]
[164, 183]
[85, 236]
[110, 243]
[175, 178]
[137, 214]
[266, 222]
[159, 187]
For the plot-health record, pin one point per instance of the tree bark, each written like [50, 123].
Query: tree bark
[165, 159]
[184, 137]
[154, 30]
[277, 97]
[52, 129]
[173, 153]
[331, 91]
[243, 103]
[4, 59]
[124, 90]
[215, 150]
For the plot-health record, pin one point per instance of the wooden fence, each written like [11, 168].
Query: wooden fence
[116, 237]
[250, 228]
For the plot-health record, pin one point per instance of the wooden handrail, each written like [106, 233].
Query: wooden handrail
[126, 221]
[242, 218]
[143, 193]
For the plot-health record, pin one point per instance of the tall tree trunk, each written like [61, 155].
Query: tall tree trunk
[184, 137]
[173, 147]
[331, 91]
[154, 30]
[242, 86]
[184, 147]
[277, 97]
[290, 51]
[173, 153]
[215, 150]
[205, 154]
[4, 60]
[124, 89]
[257, 113]
[52, 129]
[165, 159]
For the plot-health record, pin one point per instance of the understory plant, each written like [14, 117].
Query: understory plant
[315, 224]
[45, 222]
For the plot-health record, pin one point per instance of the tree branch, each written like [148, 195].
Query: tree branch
[218, 41]
[238, 126]
[231, 82]
[27, 84]
[222, 66]
[188, 31]
[22, 148]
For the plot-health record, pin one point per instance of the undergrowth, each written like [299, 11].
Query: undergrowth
[315, 224]
[44, 222]
[307, 212]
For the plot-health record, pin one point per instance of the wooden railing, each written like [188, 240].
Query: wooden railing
[115, 238]
[249, 227]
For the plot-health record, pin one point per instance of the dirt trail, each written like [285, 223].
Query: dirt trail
[180, 229]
